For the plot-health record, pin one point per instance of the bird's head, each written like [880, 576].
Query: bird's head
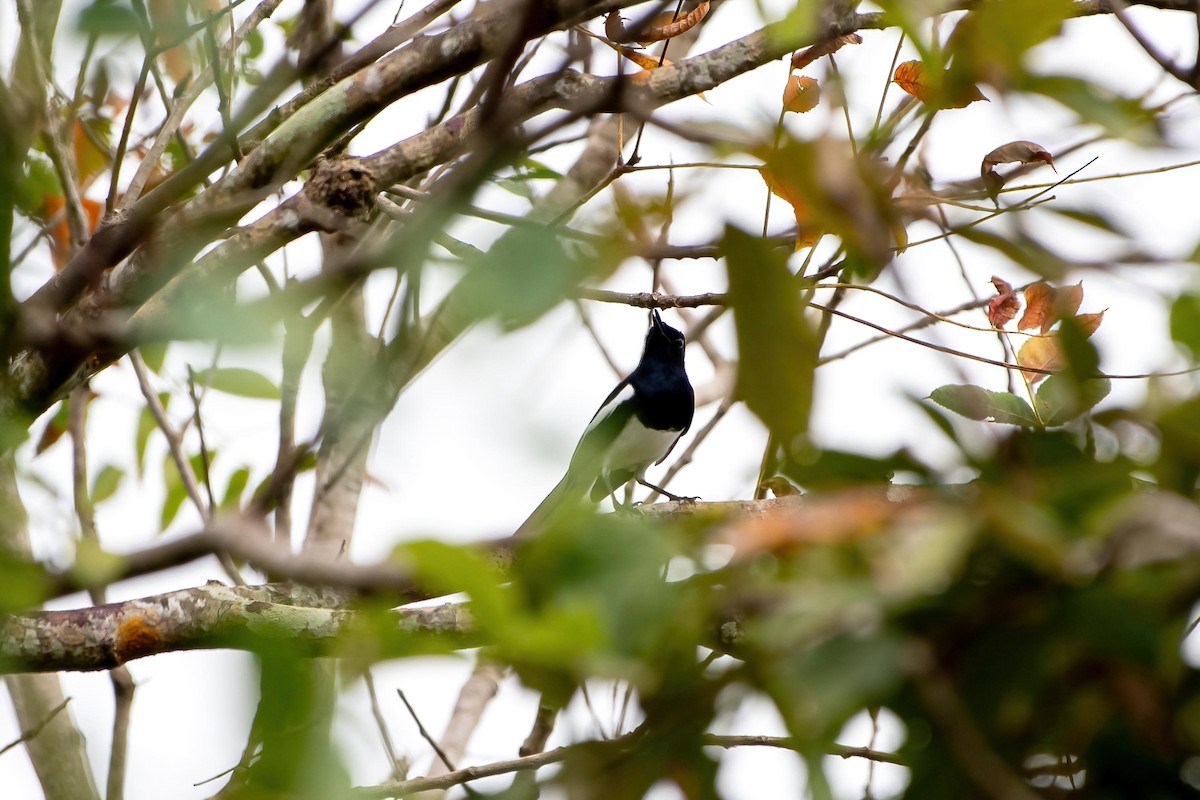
[662, 340]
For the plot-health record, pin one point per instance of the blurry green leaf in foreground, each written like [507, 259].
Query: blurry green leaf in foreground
[974, 402]
[1060, 400]
[827, 468]
[527, 272]
[1185, 322]
[237, 381]
[777, 348]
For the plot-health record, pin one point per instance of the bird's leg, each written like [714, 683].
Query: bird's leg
[673, 497]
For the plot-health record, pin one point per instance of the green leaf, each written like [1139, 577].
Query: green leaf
[176, 494]
[1185, 322]
[1060, 399]
[777, 348]
[37, 183]
[448, 568]
[105, 17]
[974, 402]
[146, 426]
[990, 43]
[25, 583]
[526, 273]
[817, 689]
[1093, 218]
[106, 483]
[154, 354]
[1121, 117]
[1082, 358]
[826, 468]
[234, 489]
[238, 381]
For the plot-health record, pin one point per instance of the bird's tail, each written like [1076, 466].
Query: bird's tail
[562, 497]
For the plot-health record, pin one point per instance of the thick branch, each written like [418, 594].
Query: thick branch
[209, 616]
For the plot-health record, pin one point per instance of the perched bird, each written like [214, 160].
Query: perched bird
[636, 426]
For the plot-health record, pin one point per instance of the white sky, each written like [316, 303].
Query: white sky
[477, 441]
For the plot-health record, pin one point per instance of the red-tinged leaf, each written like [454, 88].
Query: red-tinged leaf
[668, 26]
[974, 402]
[801, 94]
[1039, 308]
[826, 48]
[912, 78]
[1041, 353]
[1003, 307]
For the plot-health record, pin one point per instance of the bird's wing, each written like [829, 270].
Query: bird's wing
[606, 424]
[587, 459]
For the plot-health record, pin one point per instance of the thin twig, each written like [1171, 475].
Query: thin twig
[437, 748]
[36, 729]
[399, 766]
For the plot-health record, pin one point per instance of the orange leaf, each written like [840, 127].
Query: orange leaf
[826, 48]
[1039, 308]
[1046, 305]
[644, 61]
[60, 234]
[806, 234]
[1042, 352]
[801, 94]
[667, 26]
[1003, 307]
[910, 77]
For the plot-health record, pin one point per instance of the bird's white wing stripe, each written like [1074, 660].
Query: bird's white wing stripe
[623, 396]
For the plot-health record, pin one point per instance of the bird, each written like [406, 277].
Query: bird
[637, 425]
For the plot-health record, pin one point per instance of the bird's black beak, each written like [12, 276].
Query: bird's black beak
[656, 319]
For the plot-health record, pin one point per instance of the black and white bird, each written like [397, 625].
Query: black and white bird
[637, 425]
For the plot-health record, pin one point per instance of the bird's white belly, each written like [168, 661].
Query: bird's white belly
[637, 447]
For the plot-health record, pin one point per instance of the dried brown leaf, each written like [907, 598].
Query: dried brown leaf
[801, 94]
[668, 27]
[1003, 307]
[614, 28]
[826, 48]
[1022, 152]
